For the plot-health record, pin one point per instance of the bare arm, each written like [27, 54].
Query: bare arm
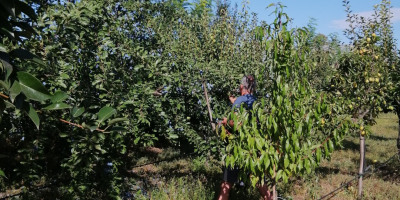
[232, 99]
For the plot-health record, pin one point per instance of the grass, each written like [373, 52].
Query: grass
[344, 165]
[194, 179]
[199, 179]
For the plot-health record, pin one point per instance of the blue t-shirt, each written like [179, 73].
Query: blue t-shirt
[248, 99]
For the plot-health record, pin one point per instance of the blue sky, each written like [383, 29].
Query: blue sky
[330, 14]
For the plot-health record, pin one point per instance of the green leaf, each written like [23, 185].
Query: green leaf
[4, 59]
[117, 128]
[270, 5]
[26, 55]
[286, 161]
[63, 135]
[92, 128]
[105, 113]
[9, 105]
[25, 8]
[2, 174]
[15, 90]
[318, 155]
[32, 88]
[285, 177]
[3, 48]
[278, 175]
[31, 113]
[76, 112]
[59, 96]
[101, 135]
[136, 140]
[9, 6]
[57, 106]
[123, 150]
[173, 136]
[5, 84]
[331, 146]
[116, 120]
[2, 108]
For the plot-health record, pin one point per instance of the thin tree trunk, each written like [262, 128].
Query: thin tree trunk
[361, 171]
[274, 194]
[398, 137]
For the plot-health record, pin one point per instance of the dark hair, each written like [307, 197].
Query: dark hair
[249, 83]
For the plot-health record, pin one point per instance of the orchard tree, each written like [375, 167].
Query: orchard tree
[149, 61]
[362, 80]
[288, 134]
[20, 92]
[28, 148]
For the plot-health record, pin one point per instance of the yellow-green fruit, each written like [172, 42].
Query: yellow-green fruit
[376, 57]
[374, 161]
[373, 35]
[332, 85]
[355, 85]
[379, 74]
[365, 73]
[361, 128]
[371, 79]
[366, 81]
[377, 80]
[390, 108]
[368, 39]
[322, 121]
[363, 133]
[358, 98]
[350, 106]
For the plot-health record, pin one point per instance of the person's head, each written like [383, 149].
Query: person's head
[248, 85]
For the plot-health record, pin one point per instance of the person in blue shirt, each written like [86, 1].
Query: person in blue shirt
[247, 89]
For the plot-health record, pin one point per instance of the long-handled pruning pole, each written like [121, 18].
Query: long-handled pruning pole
[208, 106]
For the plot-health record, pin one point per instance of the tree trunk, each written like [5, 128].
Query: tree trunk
[398, 137]
[274, 194]
[361, 171]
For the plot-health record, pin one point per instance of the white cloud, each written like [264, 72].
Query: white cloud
[343, 24]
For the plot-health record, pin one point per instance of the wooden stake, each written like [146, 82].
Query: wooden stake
[361, 171]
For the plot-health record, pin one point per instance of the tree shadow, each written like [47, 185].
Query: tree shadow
[324, 171]
[378, 137]
[347, 144]
[210, 181]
